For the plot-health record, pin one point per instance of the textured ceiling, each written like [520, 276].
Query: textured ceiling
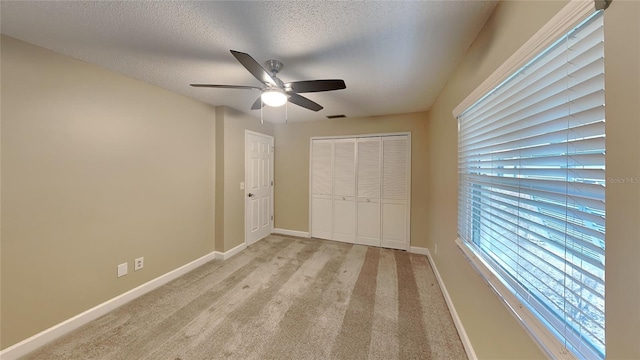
[395, 57]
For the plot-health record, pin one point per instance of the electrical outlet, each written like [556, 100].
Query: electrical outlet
[138, 264]
[123, 269]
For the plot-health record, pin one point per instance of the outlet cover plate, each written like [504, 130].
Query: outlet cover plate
[138, 264]
[123, 269]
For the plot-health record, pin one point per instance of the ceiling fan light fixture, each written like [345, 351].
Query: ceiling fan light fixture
[274, 97]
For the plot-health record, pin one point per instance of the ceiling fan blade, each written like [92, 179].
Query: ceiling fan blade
[304, 102]
[316, 85]
[226, 86]
[254, 68]
[257, 104]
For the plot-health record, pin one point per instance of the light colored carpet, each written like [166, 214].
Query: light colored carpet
[281, 298]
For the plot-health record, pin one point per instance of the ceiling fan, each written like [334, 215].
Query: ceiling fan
[275, 92]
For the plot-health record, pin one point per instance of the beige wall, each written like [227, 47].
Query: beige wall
[492, 330]
[97, 169]
[292, 165]
[622, 101]
[230, 212]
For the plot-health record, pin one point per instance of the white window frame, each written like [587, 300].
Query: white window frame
[574, 13]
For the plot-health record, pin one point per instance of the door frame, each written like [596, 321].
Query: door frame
[409, 171]
[271, 176]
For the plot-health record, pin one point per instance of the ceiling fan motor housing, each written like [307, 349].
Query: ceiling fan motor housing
[274, 66]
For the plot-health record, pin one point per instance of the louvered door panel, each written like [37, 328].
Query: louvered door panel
[394, 168]
[344, 179]
[369, 168]
[395, 186]
[322, 189]
[369, 165]
[344, 160]
[322, 182]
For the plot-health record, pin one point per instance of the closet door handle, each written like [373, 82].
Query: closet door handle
[368, 200]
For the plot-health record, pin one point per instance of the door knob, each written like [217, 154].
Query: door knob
[251, 195]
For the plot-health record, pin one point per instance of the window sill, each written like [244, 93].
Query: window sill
[545, 340]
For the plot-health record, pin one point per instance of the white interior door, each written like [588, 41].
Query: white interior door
[258, 186]
[369, 164]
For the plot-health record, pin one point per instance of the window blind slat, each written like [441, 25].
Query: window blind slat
[561, 161]
[532, 227]
[571, 202]
[534, 148]
[568, 101]
[575, 190]
[564, 214]
[559, 121]
[567, 77]
[593, 63]
[512, 262]
[589, 45]
[545, 254]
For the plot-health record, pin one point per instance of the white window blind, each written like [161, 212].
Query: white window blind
[531, 167]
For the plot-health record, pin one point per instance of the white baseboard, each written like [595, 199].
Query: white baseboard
[452, 309]
[38, 340]
[229, 253]
[419, 250]
[302, 234]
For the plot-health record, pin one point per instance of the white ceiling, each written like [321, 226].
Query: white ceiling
[395, 57]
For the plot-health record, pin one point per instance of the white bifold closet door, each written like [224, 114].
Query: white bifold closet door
[360, 190]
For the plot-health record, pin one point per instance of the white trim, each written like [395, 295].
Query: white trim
[570, 16]
[419, 250]
[42, 338]
[256, 133]
[229, 253]
[409, 170]
[466, 342]
[302, 234]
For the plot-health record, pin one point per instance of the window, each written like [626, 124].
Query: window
[531, 201]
